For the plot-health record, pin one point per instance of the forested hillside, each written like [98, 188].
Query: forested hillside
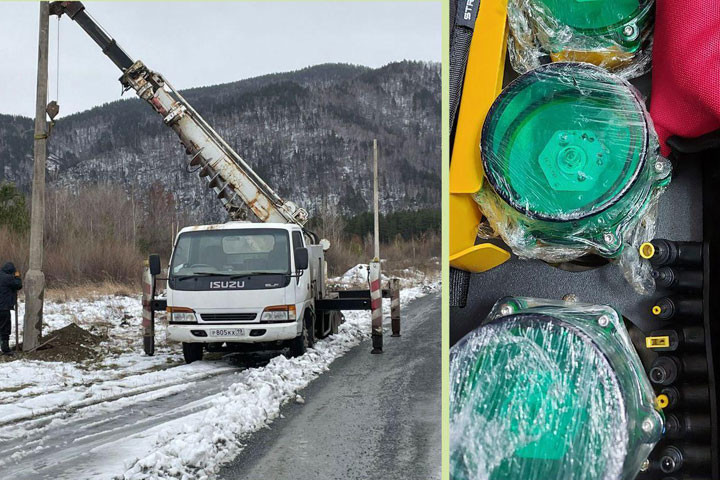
[308, 133]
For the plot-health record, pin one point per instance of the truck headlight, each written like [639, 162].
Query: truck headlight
[181, 315]
[279, 313]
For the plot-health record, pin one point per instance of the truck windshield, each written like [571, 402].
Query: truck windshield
[231, 252]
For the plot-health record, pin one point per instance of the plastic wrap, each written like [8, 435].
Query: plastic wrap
[571, 164]
[549, 390]
[613, 34]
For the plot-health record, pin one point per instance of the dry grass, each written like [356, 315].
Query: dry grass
[80, 261]
[422, 254]
[88, 291]
[96, 241]
[92, 291]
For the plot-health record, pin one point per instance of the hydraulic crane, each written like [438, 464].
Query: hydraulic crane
[236, 276]
[234, 182]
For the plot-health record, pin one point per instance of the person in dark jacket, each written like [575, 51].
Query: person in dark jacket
[10, 283]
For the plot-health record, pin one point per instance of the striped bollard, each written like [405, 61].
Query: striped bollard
[376, 306]
[148, 320]
[394, 285]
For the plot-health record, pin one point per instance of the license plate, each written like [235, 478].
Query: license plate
[227, 332]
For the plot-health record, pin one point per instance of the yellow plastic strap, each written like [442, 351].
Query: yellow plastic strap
[482, 84]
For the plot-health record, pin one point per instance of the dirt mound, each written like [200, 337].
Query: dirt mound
[68, 344]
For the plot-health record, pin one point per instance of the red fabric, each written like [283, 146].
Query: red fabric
[685, 98]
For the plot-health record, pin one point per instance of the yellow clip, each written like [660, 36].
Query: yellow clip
[657, 342]
[661, 401]
[647, 250]
[656, 310]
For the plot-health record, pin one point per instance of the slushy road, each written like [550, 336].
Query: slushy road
[368, 417]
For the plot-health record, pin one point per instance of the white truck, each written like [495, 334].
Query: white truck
[244, 283]
[239, 284]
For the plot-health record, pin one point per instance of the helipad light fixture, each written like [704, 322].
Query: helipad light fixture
[549, 390]
[570, 160]
[604, 32]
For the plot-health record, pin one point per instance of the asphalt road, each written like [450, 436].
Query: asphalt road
[369, 417]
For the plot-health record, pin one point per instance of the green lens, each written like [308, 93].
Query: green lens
[593, 14]
[567, 146]
[540, 394]
[608, 22]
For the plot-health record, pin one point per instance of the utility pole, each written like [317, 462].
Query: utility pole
[374, 267]
[35, 279]
[376, 201]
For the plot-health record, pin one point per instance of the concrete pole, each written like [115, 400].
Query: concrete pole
[374, 268]
[376, 317]
[376, 201]
[35, 279]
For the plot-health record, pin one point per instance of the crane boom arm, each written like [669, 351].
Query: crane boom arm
[236, 184]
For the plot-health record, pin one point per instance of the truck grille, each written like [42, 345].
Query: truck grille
[228, 317]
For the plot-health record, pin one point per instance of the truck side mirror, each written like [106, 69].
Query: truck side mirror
[154, 262]
[301, 258]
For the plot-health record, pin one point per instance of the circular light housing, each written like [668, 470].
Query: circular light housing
[611, 21]
[615, 34]
[549, 392]
[570, 148]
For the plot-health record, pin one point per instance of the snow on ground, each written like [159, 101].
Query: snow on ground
[205, 440]
[195, 445]
[357, 277]
[118, 317]
[31, 387]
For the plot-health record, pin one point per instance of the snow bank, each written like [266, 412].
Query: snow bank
[357, 276]
[198, 447]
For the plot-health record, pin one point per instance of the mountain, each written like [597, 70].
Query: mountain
[308, 133]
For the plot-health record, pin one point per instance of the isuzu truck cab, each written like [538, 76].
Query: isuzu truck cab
[242, 283]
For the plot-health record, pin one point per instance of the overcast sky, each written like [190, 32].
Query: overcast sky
[205, 43]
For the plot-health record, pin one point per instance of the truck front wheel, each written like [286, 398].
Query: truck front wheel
[300, 344]
[192, 352]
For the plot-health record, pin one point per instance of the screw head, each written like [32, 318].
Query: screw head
[659, 166]
[645, 465]
[608, 237]
[647, 425]
[604, 321]
[506, 310]
[629, 30]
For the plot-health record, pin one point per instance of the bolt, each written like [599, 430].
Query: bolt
[570, 298]
[506, 310]
[608, 237]
[581, 176]
[604, 321]
[629, 30]
[659, 166]
[645, 465]
[647, 425]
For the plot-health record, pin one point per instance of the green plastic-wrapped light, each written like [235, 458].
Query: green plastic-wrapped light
[547, 390]
[609, 33]
[617, 21]
[571, 153]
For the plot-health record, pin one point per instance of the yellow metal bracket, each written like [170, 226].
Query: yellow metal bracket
[482, 84]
